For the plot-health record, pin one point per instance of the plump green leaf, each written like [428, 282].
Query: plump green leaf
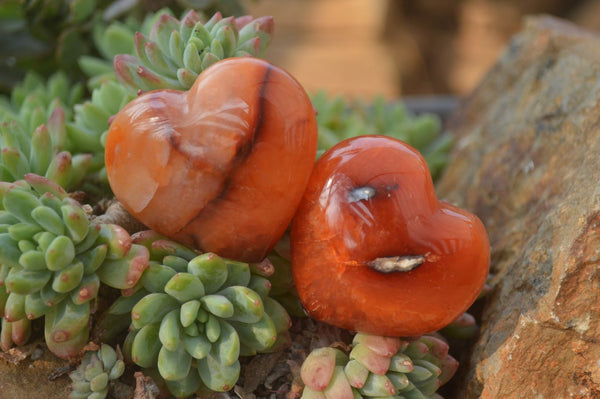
[184, 287]
[152, 308]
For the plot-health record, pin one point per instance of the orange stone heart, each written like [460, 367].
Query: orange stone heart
[373, 249]
[221, 167]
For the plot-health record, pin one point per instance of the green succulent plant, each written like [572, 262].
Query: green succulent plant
[92, 378]
[54, 259]
[177, 51]
[33, 137]
[378, 367]
[281, 278]
[91, 118]
[34, 99]
[465, 327]
[339, 118]
[192, 315]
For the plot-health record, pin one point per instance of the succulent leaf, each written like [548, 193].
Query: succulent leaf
[48, 220]
[247, 304]
[260, 335]
[25, 282]
[186, 386]
[357, 373]
[375, 363]
[217, 376]
[465, 327]
[93, 258]
[14, 308]
[212, 328]
[68, 278]
[146, 345]
[377, 385]
[75, 220]
[59, 253]
[165, 247]
[174, 365]
[317, 370]
[338, 386]
[175, 262]
[197, 346]
[156, 277]
[66, 328]
[218, 305]
[260, 285]
[14, 333]
[10, 255]
[226, 349]
[184, 287]
[125, 272]
[169, 332]
[211, 269]
[87, 290]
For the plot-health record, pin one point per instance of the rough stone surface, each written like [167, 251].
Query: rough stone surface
[527, 161]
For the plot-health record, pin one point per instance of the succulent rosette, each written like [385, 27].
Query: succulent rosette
[193, 315]
[176, 51]
[92, 378]
[33, 135]
[339, 119]
[54, 259]
[379, 367]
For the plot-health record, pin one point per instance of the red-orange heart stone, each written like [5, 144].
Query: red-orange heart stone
[374, 250]
[221, 167]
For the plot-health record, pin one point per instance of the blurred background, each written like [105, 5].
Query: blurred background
[401, 47]
[348, 47]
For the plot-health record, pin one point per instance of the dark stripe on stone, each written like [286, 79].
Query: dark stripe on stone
[243, 151]
[246, 148]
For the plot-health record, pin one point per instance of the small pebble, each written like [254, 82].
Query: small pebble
[37, 353]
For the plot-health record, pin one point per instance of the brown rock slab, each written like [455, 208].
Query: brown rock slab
[527, 161]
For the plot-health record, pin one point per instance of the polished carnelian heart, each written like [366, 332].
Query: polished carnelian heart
[373, 250]
[221, 167]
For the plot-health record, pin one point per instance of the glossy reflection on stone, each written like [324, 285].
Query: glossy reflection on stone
[373, 249]
[221, 167]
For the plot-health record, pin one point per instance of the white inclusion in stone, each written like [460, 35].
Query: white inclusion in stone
[397, 263]
[361, 194]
